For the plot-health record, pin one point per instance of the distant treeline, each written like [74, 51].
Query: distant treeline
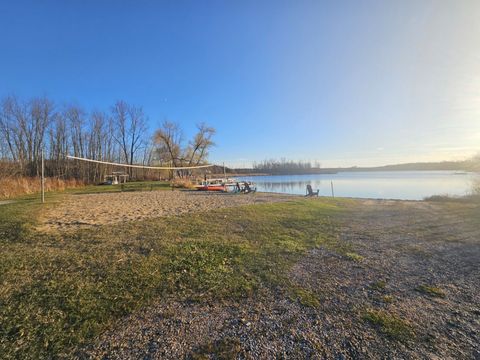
[280, 167]
[472, 164]
[117, 134]
[284, 166]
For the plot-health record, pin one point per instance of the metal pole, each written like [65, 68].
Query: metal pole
[173, 174]
[43, 178]
[224, 172]
[331, 184]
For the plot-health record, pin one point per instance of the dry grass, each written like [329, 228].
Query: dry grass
[431, 291]
[183, 184]
[11, 187]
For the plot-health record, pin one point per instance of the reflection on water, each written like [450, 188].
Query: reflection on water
[405, 185]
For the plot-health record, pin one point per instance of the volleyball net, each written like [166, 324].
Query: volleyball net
[135, 166]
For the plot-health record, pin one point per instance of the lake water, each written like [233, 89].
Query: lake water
[404, 185]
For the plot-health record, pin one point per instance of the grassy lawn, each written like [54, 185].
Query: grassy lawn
[60, 291]
[129, 186]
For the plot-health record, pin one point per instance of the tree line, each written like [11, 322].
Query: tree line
[284, 166]
[119, 134]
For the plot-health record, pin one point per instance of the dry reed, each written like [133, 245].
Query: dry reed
[16, 186]
[183, 184]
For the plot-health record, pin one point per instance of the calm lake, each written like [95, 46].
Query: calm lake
[404, 185]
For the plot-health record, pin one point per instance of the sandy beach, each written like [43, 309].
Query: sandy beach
[90, 210]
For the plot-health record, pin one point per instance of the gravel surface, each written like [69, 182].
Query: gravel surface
[89, 210]
[399, 245]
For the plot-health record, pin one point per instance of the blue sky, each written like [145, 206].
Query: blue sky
[341, 82]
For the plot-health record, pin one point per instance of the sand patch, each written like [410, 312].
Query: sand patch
[91, 210]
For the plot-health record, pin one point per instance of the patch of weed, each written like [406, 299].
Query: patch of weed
[388, 299]
[430, 291]
[227, 348]
[389, 324]
[305, 297]
[378, 285]
[354, 256]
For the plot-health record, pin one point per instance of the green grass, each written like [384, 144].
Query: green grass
[354, 256]
[378, 285]
[389, 324]
[60, 291]
[17, 217]
[305, 297]
[129, 186]
[432, 291]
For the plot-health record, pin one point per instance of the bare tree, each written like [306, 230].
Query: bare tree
[136, 131]
[59, 145]
[24, 126]
[7, 127]
[28, 127]
[200, 145]
[119, 118]
[97, 140]
[3, 145]
[169, 143]
[130, 122]
[12, 115]
[41, 115]
[76, 119]
[170, 148]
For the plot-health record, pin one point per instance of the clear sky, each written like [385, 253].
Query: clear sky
[342, 82]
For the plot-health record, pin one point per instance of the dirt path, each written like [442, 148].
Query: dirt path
[413, 265]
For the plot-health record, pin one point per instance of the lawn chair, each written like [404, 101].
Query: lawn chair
[247, 189]
[310, 191]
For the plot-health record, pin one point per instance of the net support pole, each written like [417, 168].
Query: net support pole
[43, 178]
